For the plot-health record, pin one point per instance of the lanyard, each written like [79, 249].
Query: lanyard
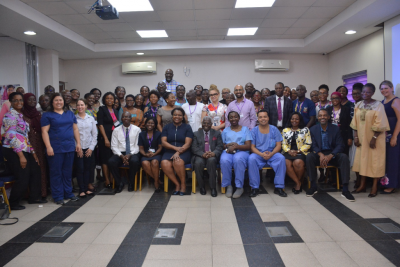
[154, 111]
[150, 140]
[335, 113]
[297, 105]
[320, 107]
[240, 109]
[113, 115]
[123, 131]
[193, 110]
[215, 109]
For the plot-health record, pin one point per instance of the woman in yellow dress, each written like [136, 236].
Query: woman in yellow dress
[370, 124]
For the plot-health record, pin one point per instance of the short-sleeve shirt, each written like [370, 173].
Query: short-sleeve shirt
[217, 113]
[61, 132]
[229, 136]
[193, 112]
[176, 136]
[306, 109]
[155, 141]
[266, 142]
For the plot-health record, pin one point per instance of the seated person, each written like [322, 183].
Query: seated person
[176, 138]
[124, 145]
[150, 148]
[266, 147]
[295, 146]
[237, 141]
[207, 147]
[327, 148]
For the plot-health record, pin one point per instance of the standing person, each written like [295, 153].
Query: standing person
[249, 89]
[215, 110]
[257, 101]
[6, 104]
[278, 107]
[20, 89]
[162, 88]
[59, 129]
[224, 93]
[176, 139]
[97, 94]
[287, 91]
[75, 94]
[20, 155]
[244, 108]
[137, 117]
[150, 148]
[169, 82]
[237, 141]
[369, 122]
[198, 89]
[392, 110]
[164, 115]
[265, 92]
[323, 98]
[205, 97]
[356, 94]
[144, 91]
[107, 121]
[139, 102]
[44, 102]
[304, 106]
[124, 145]
[229, 98]
[84, 160]
[33, 117]
[206, 149]
[49, 90]
[180, 95]
[327, 149]
[357, 87]
[344, 92]
[314, 95]
[151, 110]
[266, 145]
[340, 116]
[120, 94]
[293, 95]
[66, 94]
[193, 110]
[90, 100]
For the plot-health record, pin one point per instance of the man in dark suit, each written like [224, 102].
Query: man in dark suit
[327, 149]
[279, 107]
[207, 147]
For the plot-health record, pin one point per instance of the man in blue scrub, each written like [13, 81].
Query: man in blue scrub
[265, 147]
[305, 106]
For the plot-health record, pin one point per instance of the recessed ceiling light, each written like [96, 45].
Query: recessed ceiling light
[130, 5]
[254, 3]
[140, 54]
[350, 32]
[30, 33]
[241, 31]
[152, 34]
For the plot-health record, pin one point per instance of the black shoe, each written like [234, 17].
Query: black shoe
[312, 191]
[175, 193]
[74, 198]
[348, 196]
[130, 187]
[40, 201]
[158, 190]
[296, 192]
[182, 193]
[280, 192]
[388, 193]
[214, 192]
[121, 187]
[203, 191]
[19, 207]
[60, 202]
[254, 192]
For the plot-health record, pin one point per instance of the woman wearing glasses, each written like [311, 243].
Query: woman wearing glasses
[215, 110]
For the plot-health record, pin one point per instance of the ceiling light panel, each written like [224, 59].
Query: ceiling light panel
[153, 34]
[241, 31]
[253, 3]
[30, 33]
[350, 32]
[131, 6]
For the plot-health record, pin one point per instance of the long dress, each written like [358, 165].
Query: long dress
[370, 118]
[393, 153]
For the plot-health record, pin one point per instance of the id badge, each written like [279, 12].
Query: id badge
[241, 116]
[116, 123]
[190, 119]
[133, 115]
[334, 123]
[152, 150]
[216, 120]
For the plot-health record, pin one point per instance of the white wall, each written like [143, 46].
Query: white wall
[222, 70]
[12, 62]
[48, 68]
[61, 69]
[364, 54]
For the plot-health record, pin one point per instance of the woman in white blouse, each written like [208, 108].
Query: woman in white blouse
[84, 160]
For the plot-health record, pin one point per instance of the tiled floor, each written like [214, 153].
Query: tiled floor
[118, 231]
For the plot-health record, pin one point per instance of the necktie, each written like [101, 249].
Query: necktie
[279, 109]
[206, 144]
[128, 143]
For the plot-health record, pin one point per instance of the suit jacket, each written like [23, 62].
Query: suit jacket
[345, 120]
[215, 141]
[272, 109]
[334, 139]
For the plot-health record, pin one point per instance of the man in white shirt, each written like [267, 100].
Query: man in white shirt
[124, 144]
[193, 110]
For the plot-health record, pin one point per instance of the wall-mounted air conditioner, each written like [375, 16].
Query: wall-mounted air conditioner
[271, 65]
[139, 67]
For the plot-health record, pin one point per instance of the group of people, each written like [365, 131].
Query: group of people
[169, 128]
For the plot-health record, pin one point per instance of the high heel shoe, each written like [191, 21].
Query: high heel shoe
[158, 190]
[175, 193]
[361, 191]
[372, 195]
[296, 192]
[388, 193]
[108, 186]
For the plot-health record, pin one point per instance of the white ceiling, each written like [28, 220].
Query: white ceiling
[193, 26]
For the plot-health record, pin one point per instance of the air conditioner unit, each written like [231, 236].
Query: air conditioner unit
[139, 67]
[271, 65]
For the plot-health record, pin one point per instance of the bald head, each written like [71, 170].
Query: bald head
[169, 74]
[238, 91]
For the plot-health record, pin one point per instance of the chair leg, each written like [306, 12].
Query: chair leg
[193, 182]
[222, 188]
[3, 190]
[337, 179]
[140, 179]
[165, 183]
[136, 176]
[148, 179]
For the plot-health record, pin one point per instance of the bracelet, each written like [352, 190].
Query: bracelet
[374, 137]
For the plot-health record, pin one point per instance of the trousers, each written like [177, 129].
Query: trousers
[84, 170]
[211, 165]
[238, 161]
[277, 163]
[60, 167]
[134, 166]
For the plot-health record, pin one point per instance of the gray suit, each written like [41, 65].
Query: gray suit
[198, 162]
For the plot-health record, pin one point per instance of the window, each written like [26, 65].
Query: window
[350, 79]
[31, 67]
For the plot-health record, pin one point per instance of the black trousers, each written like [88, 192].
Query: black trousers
[134, 166]
[211, 165]
[24, 178]
[84, 170]
[340, 160]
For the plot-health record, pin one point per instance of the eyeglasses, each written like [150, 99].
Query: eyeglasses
[213, 94]
[18, 100]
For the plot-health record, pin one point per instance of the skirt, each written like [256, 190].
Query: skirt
[157, 157]
[186, 156]
[300, 156]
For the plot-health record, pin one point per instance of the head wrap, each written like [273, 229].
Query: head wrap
[32, 113]
[338, 94]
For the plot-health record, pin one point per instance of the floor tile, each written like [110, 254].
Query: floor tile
[330, 254]
[33, 233]
[10, 251]
[37, 214]
[140, 234]
[174, 215]
[132, 256]
[75, 226]
[263, 201]
[314, 236]
[98, 201]
[137, 201]
[198, 227]
[158, 252]
[96, 255]
[226, 233]
[151, 215]
[301, 221]
[127, 215]
[273, 217]
[87, 233]
[223, 214]
[41, 262]
[113, 233]
[294, 238]
[389, 249]
[196, 239]
[80, 217]
[117, 201]
[386, 210]
[229, 255]
[194, 217]
[263, 255]
[51, 249]
[296, 254]
[364, 210]
[337, 230]
[98, 210]
[13, 230]
[254, 233]
[175, 263]
[60, 214]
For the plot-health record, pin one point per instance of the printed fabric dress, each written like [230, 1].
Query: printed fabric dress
[217, 113]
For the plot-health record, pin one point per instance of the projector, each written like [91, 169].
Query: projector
[107, 12]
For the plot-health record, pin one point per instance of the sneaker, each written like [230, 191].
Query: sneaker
[60, 202]
[348, 196]
[238, 193]
[229, 191]
[312, 191]
[74, 198]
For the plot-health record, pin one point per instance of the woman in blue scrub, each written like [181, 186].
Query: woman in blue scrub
[237, 141]
[60, 132]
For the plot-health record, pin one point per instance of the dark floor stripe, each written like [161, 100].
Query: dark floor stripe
[383, 243]
[136, 243]
[259, 247]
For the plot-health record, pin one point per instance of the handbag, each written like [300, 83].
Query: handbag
[5, 213]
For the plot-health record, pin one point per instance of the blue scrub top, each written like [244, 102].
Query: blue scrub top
[229, 136]
[266, 142]
[307, 109]
[61, 132]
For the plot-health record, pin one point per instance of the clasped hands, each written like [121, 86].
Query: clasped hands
[324, 160]
[231, 147]
[208, 155]
[175, 157]
[125, 158]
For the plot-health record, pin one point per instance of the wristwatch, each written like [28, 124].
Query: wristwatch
[374, 137]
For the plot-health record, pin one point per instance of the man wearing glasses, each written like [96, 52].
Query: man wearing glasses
[225, 93]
